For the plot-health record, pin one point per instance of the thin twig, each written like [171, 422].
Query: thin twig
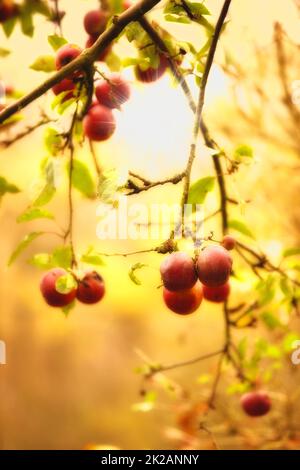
[135, 189]
[28, 130]
[189, 362]
[201, 101]
[95, 159]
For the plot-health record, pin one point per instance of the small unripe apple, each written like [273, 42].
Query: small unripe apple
[64, 85]
[178, 271]
[66, 54]
[102, 56]
[91, 288]
[112, 92]
[256, 404]
[95, 22]
[152, 74]
[184, 301]
[216, 294]
[8, 9]
[229, 242]
[49, 292]
[99, 124]
[214, 266]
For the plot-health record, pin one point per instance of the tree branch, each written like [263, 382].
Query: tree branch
[135, 189]
[201, 100]
[28, 130]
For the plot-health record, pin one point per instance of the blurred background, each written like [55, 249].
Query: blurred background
[71, 382]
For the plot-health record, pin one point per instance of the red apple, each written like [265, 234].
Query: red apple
[95, 22]
[216, 294]
[229, 242]
[64, 85]
[112, 92]
[8, 9]
[185, 301]
[256, 404]
[152, 74]
[91, 288]
[99, 124]
[178, 272]
[214, 266]
[49, 292]
[66, 54]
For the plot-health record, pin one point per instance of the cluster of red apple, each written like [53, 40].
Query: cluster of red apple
[90, 288]
[8, 10]
[112, 91]
[187, 281]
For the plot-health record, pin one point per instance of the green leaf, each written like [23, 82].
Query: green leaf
[204, 379]
[45, 195]
[148, 402]
[130, 61]
[62, 257]
[44, 63]
[65, 284]
[92, 257]
[39, 6]
[270, 320]
[134, 32]
[113, 62]
[4, 52]
[9, 26]
[47, 188]
[199, 190]
[64, 105]
[116, 6]
[177, 19]
[204, 50]
[289, 340]
[82, 179]
[53, 141]
[238, 387]
[266, 289]
[56, 42]
[33, 213]
[42, 260]
[6, 187]
[67, 309]
[26, 19]
[291, 252]
[197, 9]
[107, 186]
[133, 270]
[12, 119]
[241, 227]
[286, 287]
[242, 347]
[23, 245]
[243, 151]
